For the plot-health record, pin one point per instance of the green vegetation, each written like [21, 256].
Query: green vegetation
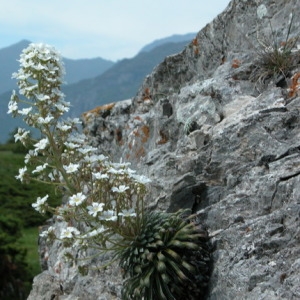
[19, 261]
[29, 241]
[276, 58]
[168, 259]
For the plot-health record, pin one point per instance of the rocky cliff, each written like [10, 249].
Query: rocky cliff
[218, 132]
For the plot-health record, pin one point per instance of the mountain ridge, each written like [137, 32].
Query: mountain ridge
[175, 38]
[129, 71]
[119, 82]
[76, 69]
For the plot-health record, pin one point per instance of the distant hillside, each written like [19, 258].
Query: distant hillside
[176, 38]
[9, 64]
[76, 69]
[119, 82]
[79, 69]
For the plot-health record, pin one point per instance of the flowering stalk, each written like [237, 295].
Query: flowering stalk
[105, 199]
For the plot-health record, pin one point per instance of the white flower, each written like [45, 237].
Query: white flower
[45, 120]
[42, 144]
[51, 176]
[141, 179]
[115, 171]
[77, 138]
[95, 208]
[12, 107]
[71, 145]
[127, 213]
[40, 204]
[94, 232]
[39, 67]
[21, 135]
[71, 168]
[25, 111]
[47, 232]
[130, 171]
[63, 107]
[29, 155]
[87, 149]
[120, 189]
[22, 173]
[40, 168]
[63, 127]
[42, 97]
[91, 159]
[108, 215]
[69, 233]
[100, 175]
[77, 199]
[76, 121]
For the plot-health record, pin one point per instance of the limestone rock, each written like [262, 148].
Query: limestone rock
[213, 140]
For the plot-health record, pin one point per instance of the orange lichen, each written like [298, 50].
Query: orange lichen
[140, 152]
[195, 42]
[146, 94]
[99, 109]
[236, 63]
[138, 118]
[195, 45]
[295, 85]
[138, 137]
[145, 129]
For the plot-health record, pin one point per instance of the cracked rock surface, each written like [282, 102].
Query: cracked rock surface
[215, 141]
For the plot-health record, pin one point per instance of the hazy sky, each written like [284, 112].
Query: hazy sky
[111, 29]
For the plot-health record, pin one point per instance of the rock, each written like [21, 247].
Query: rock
[215, 141]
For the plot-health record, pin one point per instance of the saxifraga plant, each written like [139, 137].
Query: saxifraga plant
[276, 58]
[165, 255]
[169, 259]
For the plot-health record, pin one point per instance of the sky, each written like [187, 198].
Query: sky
[111, 29]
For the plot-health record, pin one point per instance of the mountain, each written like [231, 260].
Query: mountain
[9, 64]
[176, 38]
[119, 82]
[76, 69]
[79, 69]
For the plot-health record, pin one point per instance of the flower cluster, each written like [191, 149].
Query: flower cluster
[104, 198]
